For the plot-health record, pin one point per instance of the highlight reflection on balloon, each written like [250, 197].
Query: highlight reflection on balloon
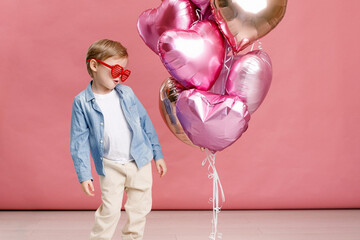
[244, 21]
[169, 92]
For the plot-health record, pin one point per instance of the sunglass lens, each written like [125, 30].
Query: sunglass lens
[116, 71]
[123, 78]
[125, 75]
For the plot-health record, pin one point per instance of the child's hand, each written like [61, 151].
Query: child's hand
[161, 166]
[88, 187]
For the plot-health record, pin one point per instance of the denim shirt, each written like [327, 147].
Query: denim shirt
[87, 132]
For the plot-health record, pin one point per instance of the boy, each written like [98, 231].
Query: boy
[108, 119]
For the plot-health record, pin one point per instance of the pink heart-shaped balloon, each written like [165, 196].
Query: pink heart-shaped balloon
[211, 120]
[193, 57]
[247, 76]
[250, 78]
[171, 14]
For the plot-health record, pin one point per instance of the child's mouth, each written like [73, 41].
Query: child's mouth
[116, 81]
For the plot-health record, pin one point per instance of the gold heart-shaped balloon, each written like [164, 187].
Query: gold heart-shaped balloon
[244, 21]
[169, 92]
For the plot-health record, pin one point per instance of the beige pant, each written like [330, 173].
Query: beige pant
[137, 184]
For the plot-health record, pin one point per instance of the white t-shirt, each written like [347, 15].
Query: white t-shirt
[117, 134]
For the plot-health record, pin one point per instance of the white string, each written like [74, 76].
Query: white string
[259, 46]
[210, 158]
[227, 65]
[227, 59]
[199, 15]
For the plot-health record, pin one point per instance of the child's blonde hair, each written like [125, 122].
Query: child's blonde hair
[103, 49]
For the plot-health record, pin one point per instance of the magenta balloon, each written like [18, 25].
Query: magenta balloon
[207, 14]
[211, 120]
[171, 14]
[193, 57]
[250, 78]
[202, 4]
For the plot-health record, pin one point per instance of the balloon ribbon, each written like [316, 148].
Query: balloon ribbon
[210, 158]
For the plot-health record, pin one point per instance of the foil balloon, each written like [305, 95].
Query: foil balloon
[193, 57]
[171, 14]
[244, 21]
[250, 78]
[169, 92]
[211, 120]
[220, 83]
[202, 4]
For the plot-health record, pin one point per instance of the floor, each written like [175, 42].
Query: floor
[191, 225]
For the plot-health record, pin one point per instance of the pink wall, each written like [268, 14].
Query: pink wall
[301, 149]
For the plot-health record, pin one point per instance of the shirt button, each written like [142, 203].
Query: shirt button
[101, 141]
[101, 123]
[101, 158]
[93, 100]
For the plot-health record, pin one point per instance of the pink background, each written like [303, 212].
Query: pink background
[301, 149]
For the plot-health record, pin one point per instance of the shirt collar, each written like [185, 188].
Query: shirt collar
[90, 95]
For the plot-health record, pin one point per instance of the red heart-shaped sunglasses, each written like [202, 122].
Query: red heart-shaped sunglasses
[116, 70]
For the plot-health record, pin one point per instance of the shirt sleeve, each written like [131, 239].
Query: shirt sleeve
[79, 143]
[149, 129]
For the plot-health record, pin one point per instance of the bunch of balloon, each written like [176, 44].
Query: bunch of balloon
[214, 87]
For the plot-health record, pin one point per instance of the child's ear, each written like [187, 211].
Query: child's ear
[93, 65]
